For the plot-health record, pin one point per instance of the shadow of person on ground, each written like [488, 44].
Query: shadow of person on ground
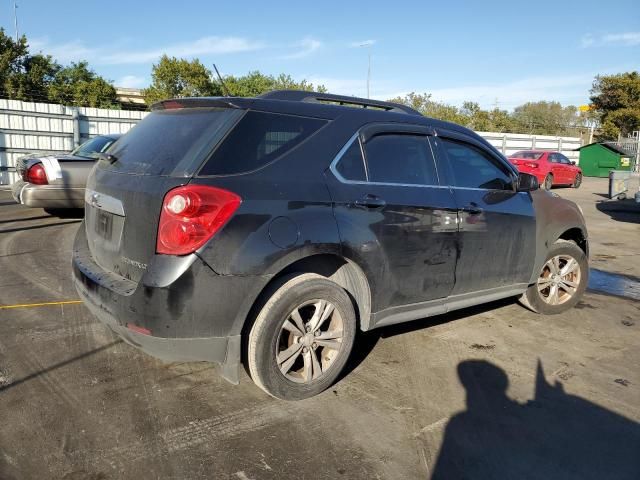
[554, 436]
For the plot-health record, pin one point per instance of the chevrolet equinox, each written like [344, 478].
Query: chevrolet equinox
[266, 231]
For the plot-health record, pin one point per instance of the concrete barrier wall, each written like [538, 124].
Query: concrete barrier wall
[27, 127]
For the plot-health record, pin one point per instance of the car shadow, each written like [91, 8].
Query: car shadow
[25, 219]
[34, 227]
[365, 342]
[627, 211]
[55, 366]
[66, 212]
[555, 435]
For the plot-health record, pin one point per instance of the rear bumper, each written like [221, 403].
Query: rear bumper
[196, 316]
[47, 196]
[212, 349]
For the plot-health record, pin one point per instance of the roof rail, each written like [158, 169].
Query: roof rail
[303, 96]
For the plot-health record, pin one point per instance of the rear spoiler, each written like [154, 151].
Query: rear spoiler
[195, 102]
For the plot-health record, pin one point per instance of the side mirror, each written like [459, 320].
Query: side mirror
[527, 182]
[573, 162]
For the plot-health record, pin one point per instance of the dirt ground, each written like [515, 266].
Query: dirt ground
[488, 392]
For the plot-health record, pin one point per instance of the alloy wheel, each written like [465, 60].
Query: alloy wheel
[559, 279]
[310, 341]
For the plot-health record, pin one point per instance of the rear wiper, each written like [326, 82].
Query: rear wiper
[107, 157]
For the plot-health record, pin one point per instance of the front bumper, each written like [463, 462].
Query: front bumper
[47, 196]
[196, 317]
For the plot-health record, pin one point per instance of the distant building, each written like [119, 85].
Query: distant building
[131, 98]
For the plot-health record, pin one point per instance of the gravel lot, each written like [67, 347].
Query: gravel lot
[496, 391]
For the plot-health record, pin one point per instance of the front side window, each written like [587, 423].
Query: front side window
[258, 139]
[400, 159]
[473, 168]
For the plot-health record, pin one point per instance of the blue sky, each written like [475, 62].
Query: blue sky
[491, 51]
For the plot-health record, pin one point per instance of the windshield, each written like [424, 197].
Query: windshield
[171, 141]
[92, 147]
[528, 155]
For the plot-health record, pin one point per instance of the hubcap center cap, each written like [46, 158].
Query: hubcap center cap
[308, 339]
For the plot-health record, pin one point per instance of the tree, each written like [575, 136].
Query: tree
[24, 76]
[172, 77]
[256, 83]
[616, 100]
[429, 108]
[77, 85]
[39, 78]
[544, 118]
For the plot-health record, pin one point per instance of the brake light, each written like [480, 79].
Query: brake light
[531, 165]
[191, 215]
[36, 174]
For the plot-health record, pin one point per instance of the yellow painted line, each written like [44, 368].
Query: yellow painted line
[43, 304]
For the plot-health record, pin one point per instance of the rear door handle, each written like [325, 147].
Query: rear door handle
[472, 208]
[370, 201]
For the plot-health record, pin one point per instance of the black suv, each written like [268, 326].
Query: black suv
[268, 230]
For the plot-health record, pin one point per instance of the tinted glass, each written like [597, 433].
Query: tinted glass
[553, 158]
[258, 139]
[472, 168]
[405, 159]
[91, 148]
[564, 159]
[157, 144]
[351, 164]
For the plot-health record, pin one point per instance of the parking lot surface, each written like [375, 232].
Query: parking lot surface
[489, 392]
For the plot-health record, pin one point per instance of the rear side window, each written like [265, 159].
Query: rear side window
[165, 139]
[473, 168]
[402, 159]
[258, 139]
[351, 164]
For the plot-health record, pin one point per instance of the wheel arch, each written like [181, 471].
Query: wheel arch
[343, 271]
[576, 235]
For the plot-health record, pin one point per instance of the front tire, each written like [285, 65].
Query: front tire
[302, 337]
[577, 181]
[548, 182]
[561, 282]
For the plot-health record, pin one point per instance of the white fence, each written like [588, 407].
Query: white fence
[27, 127]
[509, 143]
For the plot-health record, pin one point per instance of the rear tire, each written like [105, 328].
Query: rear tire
[562, 280]
[548, 182]
[302, 337]
[577, 181]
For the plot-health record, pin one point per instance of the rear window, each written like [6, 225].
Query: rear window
[171, 141]
[91, 148]
[527, 155]
[258, 139]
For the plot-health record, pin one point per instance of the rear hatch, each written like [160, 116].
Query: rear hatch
[125, 192]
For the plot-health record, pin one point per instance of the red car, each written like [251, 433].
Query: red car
[551, 168]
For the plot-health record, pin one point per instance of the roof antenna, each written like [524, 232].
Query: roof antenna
[225, 90]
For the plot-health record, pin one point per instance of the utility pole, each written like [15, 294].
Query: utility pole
[368, 44]
[15, 18]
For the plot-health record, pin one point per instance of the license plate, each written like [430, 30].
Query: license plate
[104, 224]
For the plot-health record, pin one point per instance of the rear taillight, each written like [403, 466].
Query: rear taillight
[531, 165]
[35, 174]
[191, 215]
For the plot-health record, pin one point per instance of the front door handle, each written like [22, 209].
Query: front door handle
[370, 201]
[472, 208]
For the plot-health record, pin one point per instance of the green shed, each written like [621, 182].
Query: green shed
[598, 159]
